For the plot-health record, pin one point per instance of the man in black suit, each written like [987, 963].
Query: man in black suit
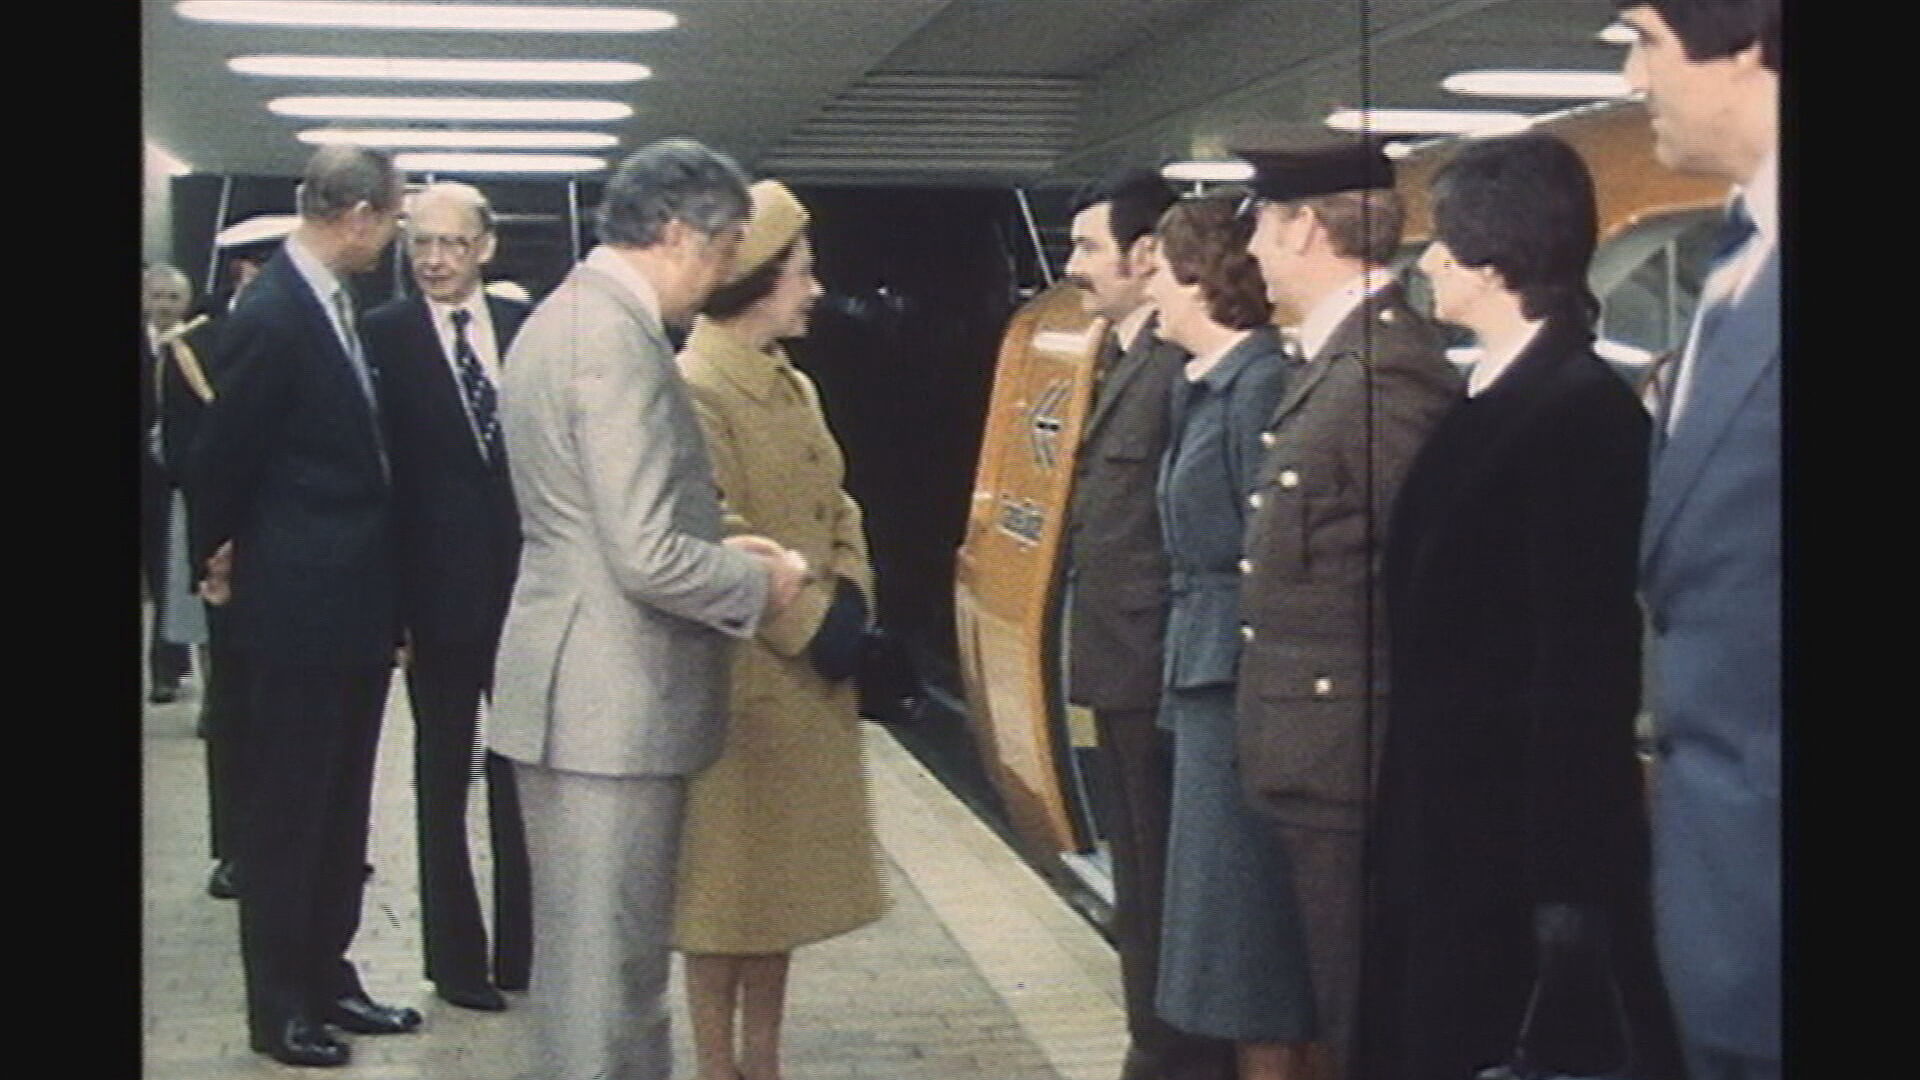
[1119, 598]
[289, 479]
[164, 296]
[458, 536]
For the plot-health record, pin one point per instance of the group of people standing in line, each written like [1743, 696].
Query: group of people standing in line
[651, 784]
[1363, 640]
[1362, 643]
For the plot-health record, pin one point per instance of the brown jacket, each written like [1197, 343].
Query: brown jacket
[1118, 569]
[1348, 427]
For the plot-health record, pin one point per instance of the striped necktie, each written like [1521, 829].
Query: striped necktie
[477, 389]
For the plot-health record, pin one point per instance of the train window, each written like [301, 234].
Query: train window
[1648, 281]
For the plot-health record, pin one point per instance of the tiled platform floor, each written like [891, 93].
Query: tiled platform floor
[979, 972]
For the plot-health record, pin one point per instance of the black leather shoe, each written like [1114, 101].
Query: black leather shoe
[163, 695]
[483, 997]
[364, 1016]
[220, 885]
[515, 981]
[302, 1042]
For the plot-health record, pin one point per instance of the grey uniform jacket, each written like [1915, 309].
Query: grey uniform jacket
[613, 660]
[1337, 447]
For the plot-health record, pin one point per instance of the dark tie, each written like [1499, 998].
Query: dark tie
[477, 389]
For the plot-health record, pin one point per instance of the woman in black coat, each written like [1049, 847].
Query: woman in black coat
[1510, 842]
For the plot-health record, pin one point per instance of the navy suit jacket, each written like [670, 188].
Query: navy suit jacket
[1710, 577]
[456, 530]
[288, 465]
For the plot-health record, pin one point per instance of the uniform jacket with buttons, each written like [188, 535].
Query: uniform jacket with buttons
[1118, 568]
[1207, 479]
[1337, 445]
[613, 658]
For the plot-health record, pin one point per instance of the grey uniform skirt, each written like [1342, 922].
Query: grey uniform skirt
[1233, 959]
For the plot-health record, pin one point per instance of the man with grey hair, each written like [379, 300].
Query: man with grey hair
[289, 482]
[457, 540]
[610, 683]
[164, 296]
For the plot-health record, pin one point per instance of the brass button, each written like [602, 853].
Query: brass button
[1323, 686]
[1246, 566]
[819, 513]
[1253, 500]
[1289, 479]
[1266, 439]
[1246, 633]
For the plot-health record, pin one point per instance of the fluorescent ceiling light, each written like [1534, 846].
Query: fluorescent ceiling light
[1573, 85]
[1427, 121]
[167, 160]
[1618, 34]
[449, 108]
[461, 140]
[498, 163]
[567, 18]
[1219, 172]
[379, 67]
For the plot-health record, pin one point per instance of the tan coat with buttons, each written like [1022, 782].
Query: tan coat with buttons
[779, 848]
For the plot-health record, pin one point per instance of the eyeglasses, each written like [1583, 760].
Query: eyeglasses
[1250, 206]
[426, 244]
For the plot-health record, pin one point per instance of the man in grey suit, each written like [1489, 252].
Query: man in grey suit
[1119, 597]
[1710, 545]
[611, 677]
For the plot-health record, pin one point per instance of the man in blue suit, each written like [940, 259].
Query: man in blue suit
[1710, 544]
[290, 483]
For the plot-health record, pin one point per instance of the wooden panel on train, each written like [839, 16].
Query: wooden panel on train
[1007, 573]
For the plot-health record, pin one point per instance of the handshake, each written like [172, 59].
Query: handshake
[787, 570]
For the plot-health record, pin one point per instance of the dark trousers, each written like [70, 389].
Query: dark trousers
[307, 775]
[445, 693]
[1136, 760]
[1328, 887]
[223, 710]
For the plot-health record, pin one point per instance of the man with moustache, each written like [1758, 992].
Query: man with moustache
[1118, 596]
[289, 481]
[1710, 544]
[610, 683]
[458, 540]
[1372, 383]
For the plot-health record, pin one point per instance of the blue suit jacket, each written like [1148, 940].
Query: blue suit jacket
[1710, 577]
[288, 465]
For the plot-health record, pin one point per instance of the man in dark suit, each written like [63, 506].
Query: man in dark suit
[289, 480]
[164, 296]
[1118, 583]
[1710, 544]
[458, 541]
[1371, 385]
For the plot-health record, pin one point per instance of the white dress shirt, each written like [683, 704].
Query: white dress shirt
[1760, 198]
[1333, 309]
[1127, 331]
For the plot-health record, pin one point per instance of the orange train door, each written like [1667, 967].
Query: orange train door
[1007, 572]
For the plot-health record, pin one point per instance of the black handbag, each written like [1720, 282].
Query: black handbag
[1520, 1066]
[889, 684]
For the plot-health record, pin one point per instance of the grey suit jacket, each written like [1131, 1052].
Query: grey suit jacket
[1710, 579]
[613, 659]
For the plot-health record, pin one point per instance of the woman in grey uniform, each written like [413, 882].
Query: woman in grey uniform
[1232, 962]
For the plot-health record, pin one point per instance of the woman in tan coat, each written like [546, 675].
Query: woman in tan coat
[779, 849]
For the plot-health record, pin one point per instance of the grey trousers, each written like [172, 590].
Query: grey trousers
[604, 851]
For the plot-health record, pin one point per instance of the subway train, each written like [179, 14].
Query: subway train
[938, 144]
